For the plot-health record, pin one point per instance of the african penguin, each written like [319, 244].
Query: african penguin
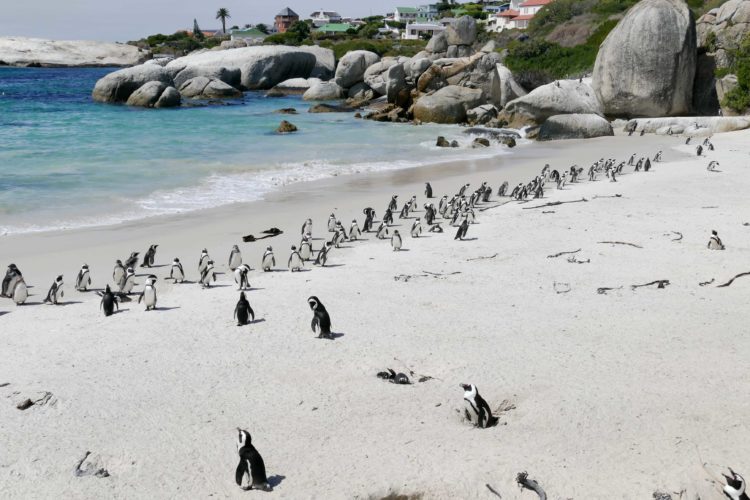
[481, 413]
[735, 487]
[208, 275]
[354, 231]
[240, 276]
[20, 292]
[149, 293]
[128, 281]
[305, 249]
[715, 243]
[382, 231]
[269, 261]
[396, 241]
[109, 302]
[416, 229]
[321, 322]
[428, 190]
[203, 261]
[132, 260]
[295, 260]
[83, 280]
[176, 272]
[251, 465]
[243, 312]
[462, 230]
[235, 258]
[322, 257]
[12, 276]
[149, 257]
[331, 223]
[118, 274]
[55, 291]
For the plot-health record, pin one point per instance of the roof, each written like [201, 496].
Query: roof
[407, 10]
[509, 13]
[329, 13]
[287, 12]
[249, 32]
[524, 17]
[535, 3]
[336, 27]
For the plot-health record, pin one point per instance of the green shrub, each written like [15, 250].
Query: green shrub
[738, 98]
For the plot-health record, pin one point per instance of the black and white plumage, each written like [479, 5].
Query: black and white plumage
[128, 281]
[305, 248]
[322, 257]
[176, 272]
[251, 470]
[354, 232]
[240, 277]
[331, 223]
[481, 412]
[148, 295]
[132, 260]
[19, 291]
[12, 277]
[269, 261]
[83, 279]
[243, 313]
[735, 489]
[109, 302]
[321, 322]
[203, 261]
[118, 274]
[235, 258]
[149, 257]
[396, 241]
[416, 229]
[393, 205]
[208, 275]
[307, 227]
[55, 291]
[462, 230]
[295, 260]
[382, 231]
[715, 243]
[428, 190]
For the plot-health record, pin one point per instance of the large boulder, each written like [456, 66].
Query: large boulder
[352, 67]
[463, 31]
[725, 85]
[558, 98]
[149, 96]
[396, 87]
[202, 87]
[360, 93]
[325, 61]
[375, 75]
[324, 91]
[646, 65]
[170, 98]
[438, 43]
[509, 88]
[415, 67]
[481, 115]
[575, 126]
[447, 105]
[249, 68]
[694, 125]
[22, 51]
[294, 86]
[720, 31]
[119, 85]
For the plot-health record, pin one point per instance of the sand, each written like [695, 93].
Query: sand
[611, 395]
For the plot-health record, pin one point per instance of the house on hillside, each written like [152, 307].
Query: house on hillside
[414, 31]
[322, 17]
[405, 14]
[517, 15]
[285, 19]
[427, 12]
[335, 28]
[250, 35]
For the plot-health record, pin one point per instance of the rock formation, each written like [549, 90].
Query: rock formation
[448, 105]
[574, 126]
[21, 51]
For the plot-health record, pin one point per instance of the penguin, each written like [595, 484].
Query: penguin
[388, 216]
[20, 292]
[177, 273]
[307, 227]
[382, 231]
[735, 488]
[354, 231]
[331, 223]
[322, 257]
[631, 161]
[55, 291]
[435, 229]
[251, 465]
[712, 166]
[393, 205]
[412, 204]
[305, 249]
[502, 189]
[339, 237]
[132, 260]
[149, 293]
[404, 212]
[243, 312]
[12, 277]
[109, 302]
[269, 261]
[714, 243]
[295, 260]
[235, 258]
[208, 275]
[321, 322]
[416, 229]
[647, 165]
[699, 150]
[461, 233]
[643, 132]
[83, 280]
[396, 241]
[479, 406]
[688, 140]
[128, 281]
[427, 190]
[463, 189]
[369, 217]
[149, 257]
[203, 261]
[118, 274]
[657, 158]
[240, 276]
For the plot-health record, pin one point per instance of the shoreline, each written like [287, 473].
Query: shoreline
[603, 395]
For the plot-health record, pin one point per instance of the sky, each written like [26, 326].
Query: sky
[121, 20]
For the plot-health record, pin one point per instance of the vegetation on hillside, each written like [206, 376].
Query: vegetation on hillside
[738, 99]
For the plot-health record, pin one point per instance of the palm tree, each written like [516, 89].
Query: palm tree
[223, 14]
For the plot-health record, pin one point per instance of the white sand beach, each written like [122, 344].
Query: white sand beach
[605, 395]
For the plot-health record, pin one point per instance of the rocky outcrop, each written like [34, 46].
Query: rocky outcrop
[329, 108]
[481, 115]
[463, 31]
[509, 89]
[397, 89]
[324, 91]
[154, 95]
[22, 51]
[437, 44]
[202, 87]
[480, 142]
[575, 126]
[286, 127]
[723, 86]
[375, 75]
[119, 85]
[720, 31]
[447, 105]
[693, 125]
[361, 92]
[646, 65]
[557, 98]
[352, 67]
[325, 61]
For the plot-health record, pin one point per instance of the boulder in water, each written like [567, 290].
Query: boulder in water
[150, 93]
[352, 67]
[286, 127]
[119, 85]
[324, 91]
[202, 87]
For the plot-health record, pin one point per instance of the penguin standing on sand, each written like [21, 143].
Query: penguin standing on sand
[503, 189]
[176, 272]
[295, 260]
[235, 258]
[427, 190]
[416, 229]
[322, 257]
[393, 205]
[132, 260]
[251, 465]
[203, 261]
[149, 257]
[462, 230]
[148, 295]
[331, 223]
[20, 292]
[735, 488]
[240, 277]
[83, 280]
[55, 291]
[480, 410]
[12, 277]
[369, 217]
[307, 227]
[699, 150]
[243, 312]
[118, 274]
[382, 231]
[305, 248]
[321, 322]
[269, 261]
[712, 166]
[396, 241]
[109, 302]
[388, 216]
[714, 243]
[354, 231]
[647, 165]
[208, 275]
[128, 281]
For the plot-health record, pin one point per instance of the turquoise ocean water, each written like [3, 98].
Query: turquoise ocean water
[65, 160]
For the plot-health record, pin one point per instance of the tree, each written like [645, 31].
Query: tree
[223, 14]
[300, 29]
[197, 33]
[262, 28]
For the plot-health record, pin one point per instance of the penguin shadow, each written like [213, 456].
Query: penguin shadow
[250, 289]
[156, 266]
[332, 265]
[402, 250]
[470, 239]
[215, 286]
[69, 303]
[275, 480]
[256, 321]
[185, 282]
[305, 270]
[167, 308]
[333, 336]
[3, 313]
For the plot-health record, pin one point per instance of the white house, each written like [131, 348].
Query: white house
[321, 17]
[250, 35]
[516, 16]
[405, 14]
[413, 31]
[428, 12]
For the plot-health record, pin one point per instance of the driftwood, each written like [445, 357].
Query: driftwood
[492, 490]
[548, 212]
[704, 283]
[427, 274]
[269, 233]
[658, 283]
[573, 260]
[615, 196]
[603, 290]
[679, 235]
[562, 253]
[620, 243]
[732, 280]
[522, 478]
[563, 288]
[554, 204]
[482, 258]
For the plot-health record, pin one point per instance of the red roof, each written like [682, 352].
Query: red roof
[524, 17]
[535, 3]
[508, 13]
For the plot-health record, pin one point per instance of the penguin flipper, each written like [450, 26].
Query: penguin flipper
[252, 313]
[235, 310]
[241, 471]
[314, 324]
